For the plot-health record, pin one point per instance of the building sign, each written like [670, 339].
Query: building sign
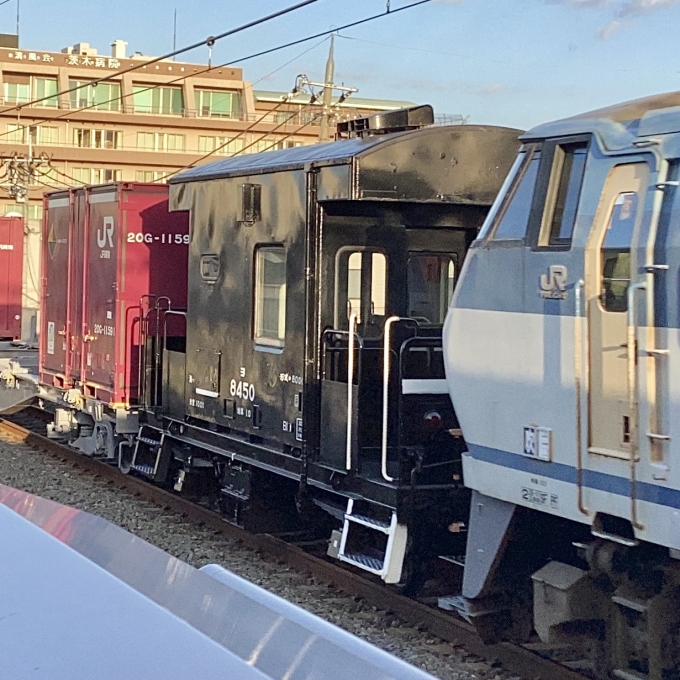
[30, 56]
[69, 59]
[97, 62]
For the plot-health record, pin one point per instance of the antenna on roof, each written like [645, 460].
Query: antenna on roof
[174, 35]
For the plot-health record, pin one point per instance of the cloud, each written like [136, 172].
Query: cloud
[636, 8]
[609, 30]
[493, 88]
[580, 3]
[624, 11]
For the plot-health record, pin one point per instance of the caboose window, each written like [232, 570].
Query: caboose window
[430, 286]
[616, 253]
[270, 296]
[513, 217]
[361, 287]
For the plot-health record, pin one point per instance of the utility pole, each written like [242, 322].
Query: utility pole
[327, 93]
[324, 92]
[18, 173]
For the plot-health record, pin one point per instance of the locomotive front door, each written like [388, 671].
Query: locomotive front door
[608, 276]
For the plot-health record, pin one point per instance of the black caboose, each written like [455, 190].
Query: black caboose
[312, 382]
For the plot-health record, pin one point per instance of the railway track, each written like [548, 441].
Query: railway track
[23, 425]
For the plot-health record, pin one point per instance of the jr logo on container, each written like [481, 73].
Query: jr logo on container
[105, 238]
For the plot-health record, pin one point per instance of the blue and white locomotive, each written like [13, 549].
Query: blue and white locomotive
[562, 352]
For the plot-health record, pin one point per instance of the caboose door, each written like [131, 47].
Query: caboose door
[608, 276]
[351, 352]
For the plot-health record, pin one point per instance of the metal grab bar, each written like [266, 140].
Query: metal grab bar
[350, 384]
[578, 373]
[386, 385]
[633, 396]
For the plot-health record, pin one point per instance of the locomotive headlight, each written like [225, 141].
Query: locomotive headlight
[433, 420]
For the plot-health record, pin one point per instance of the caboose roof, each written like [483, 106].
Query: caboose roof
[462, 164]
[287, 159]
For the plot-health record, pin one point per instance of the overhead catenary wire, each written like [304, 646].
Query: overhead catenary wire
[209, 41]
[245, 148]
[209, 68]
[121, 97]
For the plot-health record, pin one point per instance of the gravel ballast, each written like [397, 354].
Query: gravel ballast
[24, 468]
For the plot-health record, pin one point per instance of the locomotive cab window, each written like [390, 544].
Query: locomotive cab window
[361, 288]
[512, 218]
[615, 253]
[270, 296]
[430, 285]
[563, 190]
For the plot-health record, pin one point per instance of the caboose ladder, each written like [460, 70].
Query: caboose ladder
[386, 561]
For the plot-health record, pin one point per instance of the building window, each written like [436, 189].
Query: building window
[49, 135]
[102, 97]
[270, 296]
[46, 87]
[33, 211]
[96, 175]
[81, 175]
[97, 139]
[218, 103]
[220, 145]
[36, 134]
[17, 89]
[148, 176]
[15, 133]
[161, 100]
[160, 141]
[51, 174]
[265, 143]
[21, 89]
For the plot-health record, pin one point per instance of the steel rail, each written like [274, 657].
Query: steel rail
[513, 658]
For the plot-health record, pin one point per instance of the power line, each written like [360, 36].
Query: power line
[264, 135]
[288, 63]
[209, 42]
[210, 68]
[121, 97]
[245, 148]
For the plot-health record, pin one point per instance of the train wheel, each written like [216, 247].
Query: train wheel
[105, 445]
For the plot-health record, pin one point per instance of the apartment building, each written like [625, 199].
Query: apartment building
[137, 126]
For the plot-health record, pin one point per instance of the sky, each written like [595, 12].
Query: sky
[505, 62]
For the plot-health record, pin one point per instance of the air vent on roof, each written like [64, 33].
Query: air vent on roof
[387, 121]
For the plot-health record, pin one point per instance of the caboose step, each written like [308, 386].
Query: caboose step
[371, 543]
[366, 562]
[629, 675]
[458, 560]
[148, 458]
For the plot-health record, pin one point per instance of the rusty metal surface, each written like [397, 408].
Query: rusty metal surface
[513, 658]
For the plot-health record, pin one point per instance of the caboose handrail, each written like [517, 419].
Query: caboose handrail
[631, 346]
[350, 384]
[386, 386]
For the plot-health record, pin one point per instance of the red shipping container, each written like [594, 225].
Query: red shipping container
[11, 275]
[111, 251]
